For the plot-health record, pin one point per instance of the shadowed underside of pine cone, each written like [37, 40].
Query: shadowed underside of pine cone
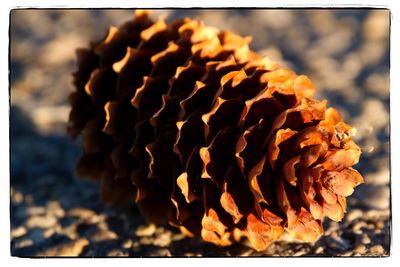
[208, 136]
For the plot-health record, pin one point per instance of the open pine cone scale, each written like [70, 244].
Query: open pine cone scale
[208, 136]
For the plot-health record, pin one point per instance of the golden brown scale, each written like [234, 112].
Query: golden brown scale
[209, 136]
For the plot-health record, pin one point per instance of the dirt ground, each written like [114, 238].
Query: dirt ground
[345, 52]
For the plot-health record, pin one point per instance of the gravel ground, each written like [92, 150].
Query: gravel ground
[54, 213]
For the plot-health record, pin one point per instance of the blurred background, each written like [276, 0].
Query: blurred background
[345, 52]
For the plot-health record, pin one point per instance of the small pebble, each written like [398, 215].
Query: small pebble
[376, 26]
[24, 243]
[18, 232]
[146, 230]
[17, 197]
[49, 232]
[162, 252]
[354, 214]
[374, 111]
[247, 253]
[357, 227]
[103, 235]
[146, 240]
[300, 253]
[34, 211]
[378, 178]
[332, 228]
[69, 249]
[54, 208]
[346, 254]
[98, 218]
[102, 225]
[117, 253]
[41, 222]
[360, 249]
[191, 254]
[376, 214]
[370, 226]
[376, 250]
[127, 244]
[70, 231]
[319, 250]
[379, 84]
[135, 244]
[177, 237]
[163, 240]
[81, 213]
[159, 230]
[334, 234]
[379, 225]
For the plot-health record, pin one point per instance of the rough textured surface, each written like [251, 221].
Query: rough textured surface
[53, 213]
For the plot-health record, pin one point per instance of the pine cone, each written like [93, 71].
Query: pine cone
[208, 136]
